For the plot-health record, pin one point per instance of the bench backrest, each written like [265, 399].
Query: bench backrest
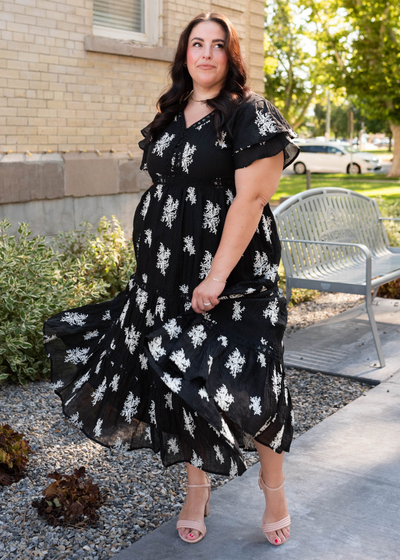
[328, 214]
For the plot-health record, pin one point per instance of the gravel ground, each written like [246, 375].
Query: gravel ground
[143, 494]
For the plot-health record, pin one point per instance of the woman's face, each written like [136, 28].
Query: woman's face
[206, 57]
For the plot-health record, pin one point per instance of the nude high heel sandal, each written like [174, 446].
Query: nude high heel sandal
[198, 525]
[269, 527]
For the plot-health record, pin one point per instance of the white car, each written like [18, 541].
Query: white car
[331, 157]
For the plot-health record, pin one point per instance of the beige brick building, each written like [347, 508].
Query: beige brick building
[77, 84]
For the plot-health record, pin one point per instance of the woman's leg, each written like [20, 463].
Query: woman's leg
[271, 464]
[193, 508]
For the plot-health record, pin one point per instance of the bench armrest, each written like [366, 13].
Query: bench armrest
[391, 219]
[363, 248]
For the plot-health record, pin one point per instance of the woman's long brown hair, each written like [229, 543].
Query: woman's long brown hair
[230, 95]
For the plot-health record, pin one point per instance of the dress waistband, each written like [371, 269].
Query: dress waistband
[181, 180]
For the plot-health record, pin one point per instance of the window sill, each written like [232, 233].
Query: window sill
[106, 45]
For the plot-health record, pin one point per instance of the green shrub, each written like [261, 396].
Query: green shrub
[391, 210]
[39, 279]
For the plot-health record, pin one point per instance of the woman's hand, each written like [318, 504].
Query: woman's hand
[206, 292]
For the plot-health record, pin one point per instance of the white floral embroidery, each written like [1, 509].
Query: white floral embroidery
[114, 382]
[235, 362]
[143, 361]
[168, 401]
[148, 239]
[145, 206]
[120, 447]
[97, 429]
[234, 468]
[272, 311]
[77, 355]
[50, 338]
[218, 454]
[255, 404]
[184, 288]
[170, 211]
[278, 439]
[187, 305]
[227, 433]
[160, 307]
[57, 385]
[196, 461]
[221, 140]
[162, 143]
[272, 272]
[264, 427]
[205, 265]
[223, 398]
[123, 314]
[191, 195]
[106, 316]
[156, 349]
[261, 264]
[187, 156]
[173, 383]
[144, 278]
[229, 196]
[189, 424]
[211, 216]
[163, 255]
[78, 384]
[265, 123]
[98, 394]
[173, 446]
[132, 337]
[91, 334]
[141, 299]
[203, 394]
[158, 193]
[263, 341]
[147, 433]
[197, 335]
[172, 328]
[189, 245]
[276, 383]
[223, 340]
[152, 413]
[209, 363]
[261, 359]
[74, 318]
[130, 407]
[149, 318]
[179, 358]
[74, 419]
[237, 311]
[266, 225]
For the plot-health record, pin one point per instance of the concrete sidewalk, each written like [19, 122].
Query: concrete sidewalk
[342, 486]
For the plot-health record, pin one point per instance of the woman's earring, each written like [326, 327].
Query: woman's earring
[184, 64]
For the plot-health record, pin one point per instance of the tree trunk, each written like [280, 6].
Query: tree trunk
[395, 168]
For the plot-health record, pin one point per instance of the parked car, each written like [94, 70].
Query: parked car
[331, 157]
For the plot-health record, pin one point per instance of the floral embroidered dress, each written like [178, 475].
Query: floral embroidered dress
[146, 370]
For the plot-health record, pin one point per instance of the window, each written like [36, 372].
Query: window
[333, 150]
[313, 149]
[133, 20]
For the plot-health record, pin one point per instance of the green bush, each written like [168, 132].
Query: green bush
[391, 210]
[39, 279]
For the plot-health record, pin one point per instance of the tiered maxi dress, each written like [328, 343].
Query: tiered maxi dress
[144, 369]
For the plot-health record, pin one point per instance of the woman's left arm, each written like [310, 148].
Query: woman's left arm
[255, 186]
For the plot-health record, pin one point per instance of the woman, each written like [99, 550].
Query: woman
[187, 360]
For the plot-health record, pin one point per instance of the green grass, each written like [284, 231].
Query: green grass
[387, 188]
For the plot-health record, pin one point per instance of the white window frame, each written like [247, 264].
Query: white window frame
[152, 10]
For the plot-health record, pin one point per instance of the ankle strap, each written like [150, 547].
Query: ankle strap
[198, 485]
[268, 487]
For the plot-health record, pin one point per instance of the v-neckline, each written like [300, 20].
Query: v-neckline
[197, 122]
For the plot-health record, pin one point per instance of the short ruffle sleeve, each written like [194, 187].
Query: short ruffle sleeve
[261, 131]
[144, 145]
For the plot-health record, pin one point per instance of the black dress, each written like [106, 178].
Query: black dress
[146, 370]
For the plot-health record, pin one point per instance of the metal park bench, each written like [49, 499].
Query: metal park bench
[334, 240]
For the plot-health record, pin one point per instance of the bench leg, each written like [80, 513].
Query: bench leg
[374, 329]
[288, 292]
